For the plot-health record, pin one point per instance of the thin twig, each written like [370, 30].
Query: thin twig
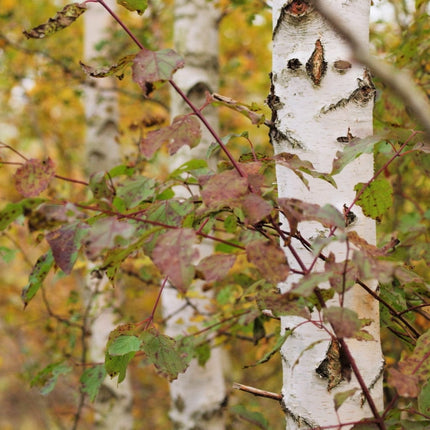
[258, 392]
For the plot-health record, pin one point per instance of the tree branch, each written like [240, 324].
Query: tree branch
[257, 391]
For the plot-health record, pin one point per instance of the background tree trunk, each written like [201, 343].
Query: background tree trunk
[319, 94]
[198, 394]
[114, 403]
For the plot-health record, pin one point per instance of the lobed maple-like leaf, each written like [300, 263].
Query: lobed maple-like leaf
[150, 67]
[269, 258]
[69, 14]
[174, 254]
[184, 130]
[116, 69]
[34, 176]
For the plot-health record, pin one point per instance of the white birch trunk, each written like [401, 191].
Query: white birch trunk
[313, 106]
[114, 402]
[198, 394]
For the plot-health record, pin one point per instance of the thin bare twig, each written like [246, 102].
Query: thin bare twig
[257, 392]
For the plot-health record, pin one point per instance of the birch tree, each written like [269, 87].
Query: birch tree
[114, 402]
[321, 99]
[195, 405]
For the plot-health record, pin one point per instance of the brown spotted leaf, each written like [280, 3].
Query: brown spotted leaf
[346, 323]
[66, 243]
[69, 14]
[224, 189]
[174, 254]
[34, 176]
[150, 67]
[255, 208]
[269, 258]
[216, 266]
[185, 130]
[405, 384]
[165, 353]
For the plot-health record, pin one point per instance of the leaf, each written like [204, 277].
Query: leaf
[307, 284]
[116, 365]
[164, 353]
[405, 384]
[101, 186]
[134, 5]
[124, 344]
[270, 260]
[184, 130]
[150, 67]
[345, 322]
[116, 69]
[47, 378]
[66, 243]
[37, 276]
[424, 399]
[69, 14]
[340, 398]
[255, 418]
[255, 208]
[297, 211]
[6, 254]
[92, 379]
[353, 150]
[215, 267]
[223, 189]
[299, 166]
[34, 176]
[174, 254]
[135, 190]
[108, 233]
[9, 214]
[376, 198]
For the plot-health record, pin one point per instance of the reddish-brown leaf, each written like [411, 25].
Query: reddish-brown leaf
[270, 260]
[255, 208]
[215, 267]
[34, 176]
[174, 254]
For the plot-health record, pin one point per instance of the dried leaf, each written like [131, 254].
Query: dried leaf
[113, 70]
[215, 267]
[69, 14]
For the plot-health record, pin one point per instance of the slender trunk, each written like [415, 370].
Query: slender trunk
[318, 95]
[199, 393]
[113, 405]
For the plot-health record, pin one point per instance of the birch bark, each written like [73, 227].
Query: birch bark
[318, 94]
[113, 405]
[198, 394]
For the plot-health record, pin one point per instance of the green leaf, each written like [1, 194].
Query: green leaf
[116, 69]
[150, 67]
[376, 198]
[124, 344]
[135, 190]
[164, 353]
[47, 378]
[6, 254]
[116, 365]
[353, 150]
[424, 399]
[134, 5]
[252, 417]
[37, 276]
[346, 323]
[340, 398]
[69, 14]
[92, 379]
